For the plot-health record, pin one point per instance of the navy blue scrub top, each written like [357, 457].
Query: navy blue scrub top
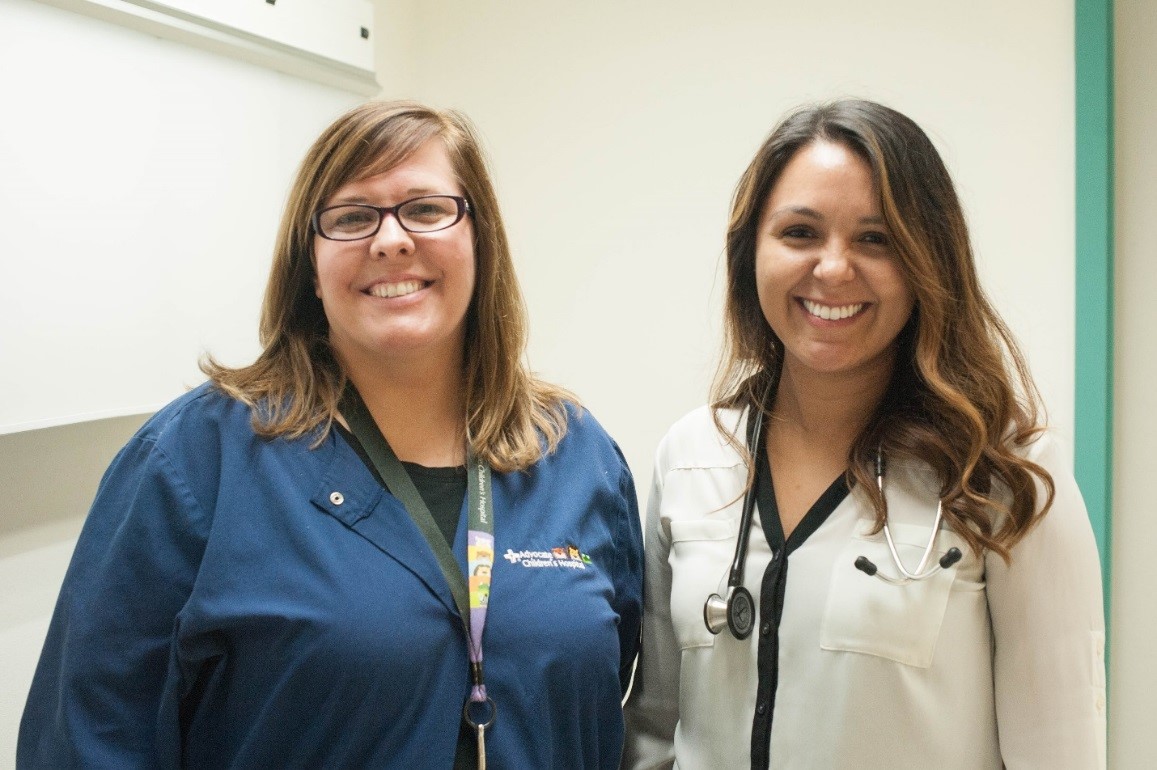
[242, 601]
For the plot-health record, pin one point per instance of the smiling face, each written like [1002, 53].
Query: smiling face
[829, 282]
[398, 296]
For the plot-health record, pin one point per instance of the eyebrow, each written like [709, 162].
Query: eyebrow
[811, 213]
[413, 192]
[801, 210]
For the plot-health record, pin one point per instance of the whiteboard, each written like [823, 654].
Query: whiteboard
[141, 184]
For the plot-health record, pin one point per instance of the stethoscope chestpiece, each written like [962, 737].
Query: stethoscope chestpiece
[736, 612]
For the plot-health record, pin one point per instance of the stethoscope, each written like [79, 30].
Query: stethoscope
[737, 610]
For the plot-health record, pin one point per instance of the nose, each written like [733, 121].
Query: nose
[391, 239]
[835, 264]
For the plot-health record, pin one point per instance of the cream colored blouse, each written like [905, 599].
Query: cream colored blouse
[980, 665]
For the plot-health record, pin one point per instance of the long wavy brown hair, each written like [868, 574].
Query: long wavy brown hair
[961, 398]
[295, 384]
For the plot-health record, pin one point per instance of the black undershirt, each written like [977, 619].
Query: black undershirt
[443, 490]
[774, 588]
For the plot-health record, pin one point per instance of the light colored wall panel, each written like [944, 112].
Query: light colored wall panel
[1133, 665]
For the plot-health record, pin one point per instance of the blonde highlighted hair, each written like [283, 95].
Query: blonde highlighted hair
[961, 398]
[295, 384]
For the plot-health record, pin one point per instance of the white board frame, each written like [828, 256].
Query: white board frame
[327, 41]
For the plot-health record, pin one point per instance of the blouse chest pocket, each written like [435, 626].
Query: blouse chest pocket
[898, 622]
[700, 557]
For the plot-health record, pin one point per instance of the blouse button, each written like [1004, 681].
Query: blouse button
[337, 498]
[765, 629]
[761, 709]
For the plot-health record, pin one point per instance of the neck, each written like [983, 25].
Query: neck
[419, 406]
[829, 409]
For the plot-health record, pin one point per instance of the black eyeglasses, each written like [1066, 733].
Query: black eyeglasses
[354, 221]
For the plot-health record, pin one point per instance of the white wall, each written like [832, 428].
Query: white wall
[618, 130]
[1133, 664]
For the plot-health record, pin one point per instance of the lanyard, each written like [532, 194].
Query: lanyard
[470, 598]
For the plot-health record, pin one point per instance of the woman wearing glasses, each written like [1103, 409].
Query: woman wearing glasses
[384, 543]
[919, 585]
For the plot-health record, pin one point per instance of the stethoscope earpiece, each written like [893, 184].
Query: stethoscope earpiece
[868, 567]
[954, 555]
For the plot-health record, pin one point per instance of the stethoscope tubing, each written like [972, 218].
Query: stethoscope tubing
[736, 610]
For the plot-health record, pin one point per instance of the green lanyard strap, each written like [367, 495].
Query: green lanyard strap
[471, 598]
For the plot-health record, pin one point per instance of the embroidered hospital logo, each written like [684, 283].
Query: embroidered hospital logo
[568, 557]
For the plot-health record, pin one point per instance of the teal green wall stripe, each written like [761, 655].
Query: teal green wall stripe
[1094, 269]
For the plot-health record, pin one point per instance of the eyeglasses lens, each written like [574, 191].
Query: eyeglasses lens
[348, 222]
[423, 215]
[420, 215]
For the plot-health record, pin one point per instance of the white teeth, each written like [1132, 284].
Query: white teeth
[395, 289]
[832, 313]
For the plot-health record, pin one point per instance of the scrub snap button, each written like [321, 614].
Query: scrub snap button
[337, 498]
